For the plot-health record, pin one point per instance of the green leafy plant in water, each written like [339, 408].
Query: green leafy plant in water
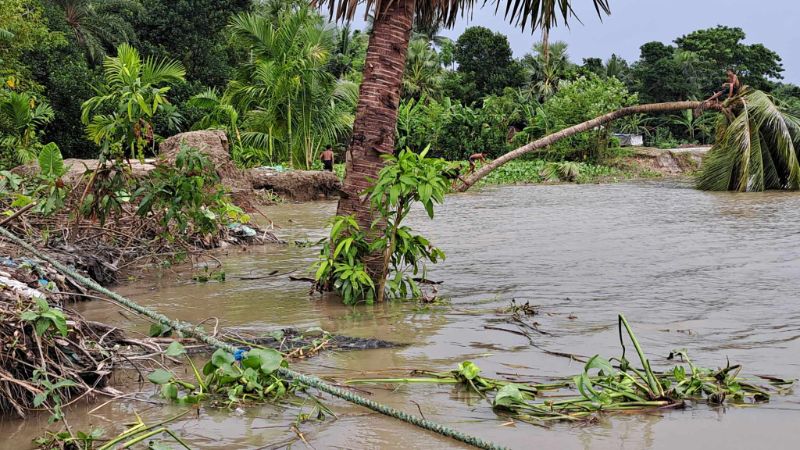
[206, 275]
[67, 440]
[50, 396]
[609, 385]
[341, 267]
[252, 379]
[407, 178]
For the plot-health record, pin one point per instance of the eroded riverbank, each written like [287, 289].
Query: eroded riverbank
[713, 273]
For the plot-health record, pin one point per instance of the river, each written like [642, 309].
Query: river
[715, 273]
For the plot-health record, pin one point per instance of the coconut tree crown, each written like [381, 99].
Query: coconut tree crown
[525, 13]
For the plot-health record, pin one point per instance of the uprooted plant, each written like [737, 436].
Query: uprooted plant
[607, 386]
[343, 265]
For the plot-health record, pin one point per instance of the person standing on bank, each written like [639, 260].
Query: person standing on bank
[327, 158]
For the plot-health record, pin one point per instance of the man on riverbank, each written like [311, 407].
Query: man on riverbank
[327, 158]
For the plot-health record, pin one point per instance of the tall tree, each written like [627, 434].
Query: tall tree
[422, 70]
[192, 30]
[290, 103]
[723, 48]
[756, 149]
[100, 26]
[376, 113]
[544, 71]
[485, 60]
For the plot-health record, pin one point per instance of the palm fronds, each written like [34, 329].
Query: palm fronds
[756, 150]
[283, 103]
[530, 13]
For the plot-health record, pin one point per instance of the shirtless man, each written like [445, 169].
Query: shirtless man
[327, 158]
[474, 158]
[729, 88]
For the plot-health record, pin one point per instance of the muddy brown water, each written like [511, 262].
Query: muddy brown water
[715, 273]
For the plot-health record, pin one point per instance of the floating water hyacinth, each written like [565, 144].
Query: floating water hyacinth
[608, 385]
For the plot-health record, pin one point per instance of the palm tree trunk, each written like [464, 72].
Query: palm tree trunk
[575, 129]
[546, 43]
[376, 116]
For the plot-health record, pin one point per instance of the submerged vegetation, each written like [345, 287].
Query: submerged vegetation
[606, 386]
[407, 179]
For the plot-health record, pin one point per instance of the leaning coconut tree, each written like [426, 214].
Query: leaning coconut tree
[379, 96]
[756, 147]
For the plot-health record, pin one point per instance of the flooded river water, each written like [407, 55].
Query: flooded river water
[715, 273]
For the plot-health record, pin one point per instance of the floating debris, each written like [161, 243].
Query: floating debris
[607, 386]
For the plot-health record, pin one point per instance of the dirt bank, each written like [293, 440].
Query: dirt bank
[668, 162]
[297, 185]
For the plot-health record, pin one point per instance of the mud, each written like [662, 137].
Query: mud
[298, 185]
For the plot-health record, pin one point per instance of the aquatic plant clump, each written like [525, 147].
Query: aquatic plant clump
[246, 376]
[608, 385]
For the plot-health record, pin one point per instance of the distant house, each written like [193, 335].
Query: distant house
[629, 140]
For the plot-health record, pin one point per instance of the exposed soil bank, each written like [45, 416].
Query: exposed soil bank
[668, 162]
[298, 185]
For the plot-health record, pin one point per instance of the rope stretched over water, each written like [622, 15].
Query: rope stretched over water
[311, 381]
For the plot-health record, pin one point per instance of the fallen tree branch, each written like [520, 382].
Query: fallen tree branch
[550, 139]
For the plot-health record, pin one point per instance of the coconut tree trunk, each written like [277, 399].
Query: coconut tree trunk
[376, 116]
[539, 144]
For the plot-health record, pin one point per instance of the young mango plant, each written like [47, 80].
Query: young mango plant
[187, 197]
[407, 179]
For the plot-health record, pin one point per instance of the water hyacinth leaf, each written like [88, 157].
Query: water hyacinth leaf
[267, 360]
[175, 349]
[158, 330]
[160, 376]
[600, 363]
[509, 396]
[169, 391]
[468, 370]
[221, 358]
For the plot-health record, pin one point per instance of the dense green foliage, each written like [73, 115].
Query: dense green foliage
[283, 82]
[283, 104]
[485, 63]
[134, 91]
[187, 197]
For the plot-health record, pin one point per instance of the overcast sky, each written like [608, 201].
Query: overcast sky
[634, 22]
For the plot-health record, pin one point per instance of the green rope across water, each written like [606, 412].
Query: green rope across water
[311, 381]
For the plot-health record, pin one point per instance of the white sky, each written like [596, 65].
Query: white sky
[634, 22]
